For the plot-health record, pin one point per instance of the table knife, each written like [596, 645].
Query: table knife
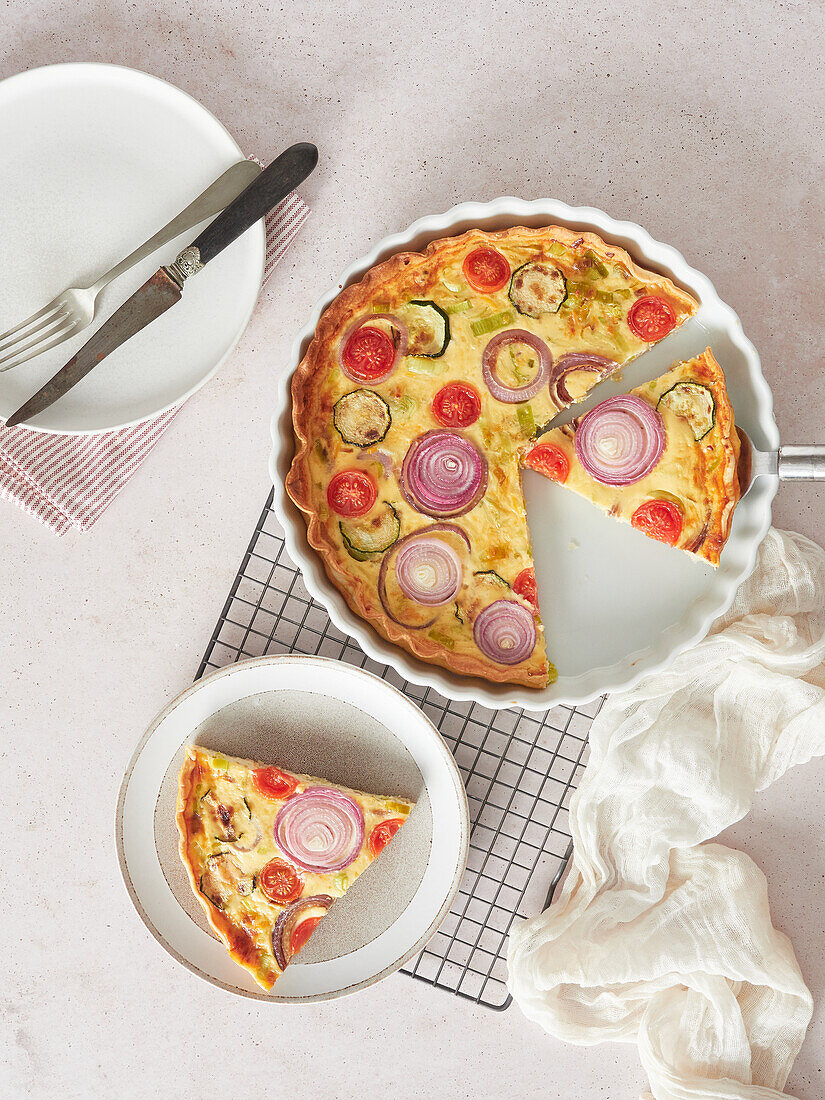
[165, 287]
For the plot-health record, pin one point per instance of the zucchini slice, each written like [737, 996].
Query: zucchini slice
[428, 328]
[361, 417]
[491, 575]
[694, 402]
[537, 288]
[365, 537]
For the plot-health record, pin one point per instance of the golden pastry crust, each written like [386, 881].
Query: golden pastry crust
[318, 383]
[701, 475]
[240, 948]
[246, 922]
[718, 472]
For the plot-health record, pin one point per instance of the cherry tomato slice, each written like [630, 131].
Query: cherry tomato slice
[486, 270]
[382, 834]
[651, 318]
[457, 405]
[351, 493]
[660, 519]
[273, 783]
[525, 586]
[549, 460]
[369, 354]
[280, 882]
[302, 933]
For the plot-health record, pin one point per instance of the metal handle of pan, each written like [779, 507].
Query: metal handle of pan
[802, 462]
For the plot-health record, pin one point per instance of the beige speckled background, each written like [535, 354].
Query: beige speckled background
[702, 121]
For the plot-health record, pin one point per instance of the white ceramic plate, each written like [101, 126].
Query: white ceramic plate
[97, 158]
[615, 604]
[320, 717]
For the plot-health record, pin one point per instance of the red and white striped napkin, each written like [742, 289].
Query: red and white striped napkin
[69, 481]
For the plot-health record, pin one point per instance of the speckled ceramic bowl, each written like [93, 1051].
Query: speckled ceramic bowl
[324, 718]
[615, 604]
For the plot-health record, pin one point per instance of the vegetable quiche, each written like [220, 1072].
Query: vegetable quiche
[268, 851]
[421, 389]
[663, 457]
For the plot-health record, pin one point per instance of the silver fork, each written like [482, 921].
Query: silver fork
[74, 309]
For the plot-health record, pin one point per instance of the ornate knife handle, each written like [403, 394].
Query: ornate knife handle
[273, 184]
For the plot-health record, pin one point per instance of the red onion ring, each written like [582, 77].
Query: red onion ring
[428, 571]
[575, 361]
[488, 366]
[433, 529]
[400, 349]
[444, 474]
[620, 441]
[321, 830]
[505, 631]
[286, 923]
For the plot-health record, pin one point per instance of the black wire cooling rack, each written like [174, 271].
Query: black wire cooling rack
[519, 767]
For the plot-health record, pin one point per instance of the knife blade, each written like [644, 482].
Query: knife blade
[157, 295]
[165, 288]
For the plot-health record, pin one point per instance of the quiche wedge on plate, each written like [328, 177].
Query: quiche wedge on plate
[268, 851]
[420, 389]
[663, 457]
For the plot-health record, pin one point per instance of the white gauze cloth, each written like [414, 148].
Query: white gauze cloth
[659, 937]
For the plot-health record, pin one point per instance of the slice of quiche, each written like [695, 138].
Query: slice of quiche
[268, 851]
[662, 458]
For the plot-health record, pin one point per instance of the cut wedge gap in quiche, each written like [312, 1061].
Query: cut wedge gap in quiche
[416, 396]
[663, 457]
[268, 851]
